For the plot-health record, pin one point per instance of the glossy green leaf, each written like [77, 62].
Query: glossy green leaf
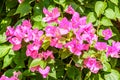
[23, 9]
[46, 44]
[117, 12]
[106, 22]
[73, 73]
[52, 73]
[19, 59]
[4, 49]
[100, 7]
[106, 67]
[113, 75]
[109, 13]
[2, 38]
[37, 62]
[64, 53]
[91, 17]
[9, 72]
[11, 3]
[114, 1]
[8, 59]
[113, 62]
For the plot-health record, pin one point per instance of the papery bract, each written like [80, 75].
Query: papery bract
[107, 33]
[101, 46]
[70, 10]
[92, 64]
[45, 71]
[32, 49]
[114, 50]
[75, 47]
[48, 54]
[51, 16]
[54, 42]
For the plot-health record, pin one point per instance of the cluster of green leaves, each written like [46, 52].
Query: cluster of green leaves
[103, 14]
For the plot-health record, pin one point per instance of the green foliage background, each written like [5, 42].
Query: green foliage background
[102, 13]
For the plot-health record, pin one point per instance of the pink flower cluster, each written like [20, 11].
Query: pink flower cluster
[92, 64]
[21, 33]
[83, 32]
[14, 77]
[114, 50]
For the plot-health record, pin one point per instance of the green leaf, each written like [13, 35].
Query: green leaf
[4, 23]
[52, 73]
[106, 67]
[113, 75]
[103, 57]
[8, 59]
[117, 12]
[28, 73]
[106, 22]
[77, 60]
[4, 49]
[19, 59]
[113, 62]
[64, 53]
[73, 73]
[24, 9]
[91, 17]
[9, 72]
[2, 38]
[109, 13]
[114, 1]
[37, 18]
[45, 44]
[37, 62]
[88, 53]
[39, 25]
[100, 7]
[11, 12]
[11, 3]
[96, 77]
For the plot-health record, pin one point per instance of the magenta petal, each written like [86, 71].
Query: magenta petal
[16, 47]
[45, 71]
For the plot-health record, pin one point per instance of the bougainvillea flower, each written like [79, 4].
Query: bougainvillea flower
[52, 31]
[36, 34]
[54, 42]
[114, 50]
[92, 64]
[70, 10]
[64, 26]
[48, 54]
[101, 46]
[51, 16]
[75, 47]
[16, 43]
[26, 24]
[82, 20]
[45, 71]
[75, 20]
[107, 33]
[32, 49]
[10, 31]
